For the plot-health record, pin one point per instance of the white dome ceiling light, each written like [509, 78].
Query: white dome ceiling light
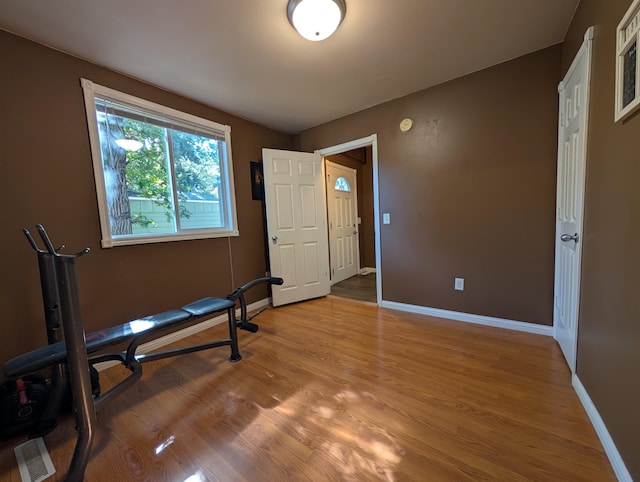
[316, 19]
[129, 144]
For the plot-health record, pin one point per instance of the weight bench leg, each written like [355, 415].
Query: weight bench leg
[233, 335]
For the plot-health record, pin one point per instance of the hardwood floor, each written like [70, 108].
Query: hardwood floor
[333, 389]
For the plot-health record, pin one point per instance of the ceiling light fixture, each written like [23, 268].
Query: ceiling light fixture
[129, 144]
[316, 19]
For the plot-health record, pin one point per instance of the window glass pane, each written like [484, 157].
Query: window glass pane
[197, 171]
[137, 178]
[342, 185]
[629, 76]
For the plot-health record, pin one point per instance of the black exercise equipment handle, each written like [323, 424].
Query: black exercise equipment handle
[49, 245]
[33, 244]
[238, 295]
[235, 294]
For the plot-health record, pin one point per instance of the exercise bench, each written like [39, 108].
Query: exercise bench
[60, 293]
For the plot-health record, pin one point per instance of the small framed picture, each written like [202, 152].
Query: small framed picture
[257, 181]
[627, 65]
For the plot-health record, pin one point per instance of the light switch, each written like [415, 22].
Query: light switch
[386, 218]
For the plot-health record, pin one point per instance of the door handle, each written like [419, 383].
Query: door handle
[567, 237]
[355, 232]
[274, 238]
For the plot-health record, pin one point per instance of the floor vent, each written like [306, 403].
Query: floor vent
[34, 461]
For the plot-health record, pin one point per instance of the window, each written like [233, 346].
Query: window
[627, 68]
[161, 174]
[342, 185]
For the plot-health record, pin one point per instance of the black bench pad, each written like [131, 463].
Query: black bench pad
[56, 353]
[208, 305]
[121, 333]
[35, 360]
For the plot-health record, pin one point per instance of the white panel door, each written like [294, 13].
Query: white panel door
[296, 224]
[343, 226]
[570, 197]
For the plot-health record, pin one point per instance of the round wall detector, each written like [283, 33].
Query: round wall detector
[406, 125]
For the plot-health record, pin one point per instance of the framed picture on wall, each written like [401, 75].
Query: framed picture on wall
[627, 65]
[257, 181]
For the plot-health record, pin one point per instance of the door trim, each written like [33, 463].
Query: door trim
[372, 141]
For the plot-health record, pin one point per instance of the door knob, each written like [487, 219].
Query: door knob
[275, 238]
[567, 237]
[355, 232]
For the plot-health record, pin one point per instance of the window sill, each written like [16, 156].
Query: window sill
[142, 239]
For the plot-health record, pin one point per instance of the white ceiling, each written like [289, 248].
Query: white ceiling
[242, 56]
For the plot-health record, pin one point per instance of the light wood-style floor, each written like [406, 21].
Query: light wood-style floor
[334, 389]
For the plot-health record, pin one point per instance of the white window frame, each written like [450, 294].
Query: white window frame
[92, 90]
[627, 33]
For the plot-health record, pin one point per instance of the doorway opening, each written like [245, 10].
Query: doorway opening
[365, 282]
[361, 287]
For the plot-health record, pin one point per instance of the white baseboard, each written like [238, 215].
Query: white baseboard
[603, 434]
[364, 271]
[469, 318]
[158, 343]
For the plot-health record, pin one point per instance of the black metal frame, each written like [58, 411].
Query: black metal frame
[62, 308]
[53, 321]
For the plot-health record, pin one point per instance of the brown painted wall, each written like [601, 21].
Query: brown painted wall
[609, 324]
[470, 189]
[364, 178]
[46, 176]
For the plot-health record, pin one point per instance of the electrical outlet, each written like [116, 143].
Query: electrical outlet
[459, 284]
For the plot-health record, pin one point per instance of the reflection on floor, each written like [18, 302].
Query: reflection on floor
[359, 287]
